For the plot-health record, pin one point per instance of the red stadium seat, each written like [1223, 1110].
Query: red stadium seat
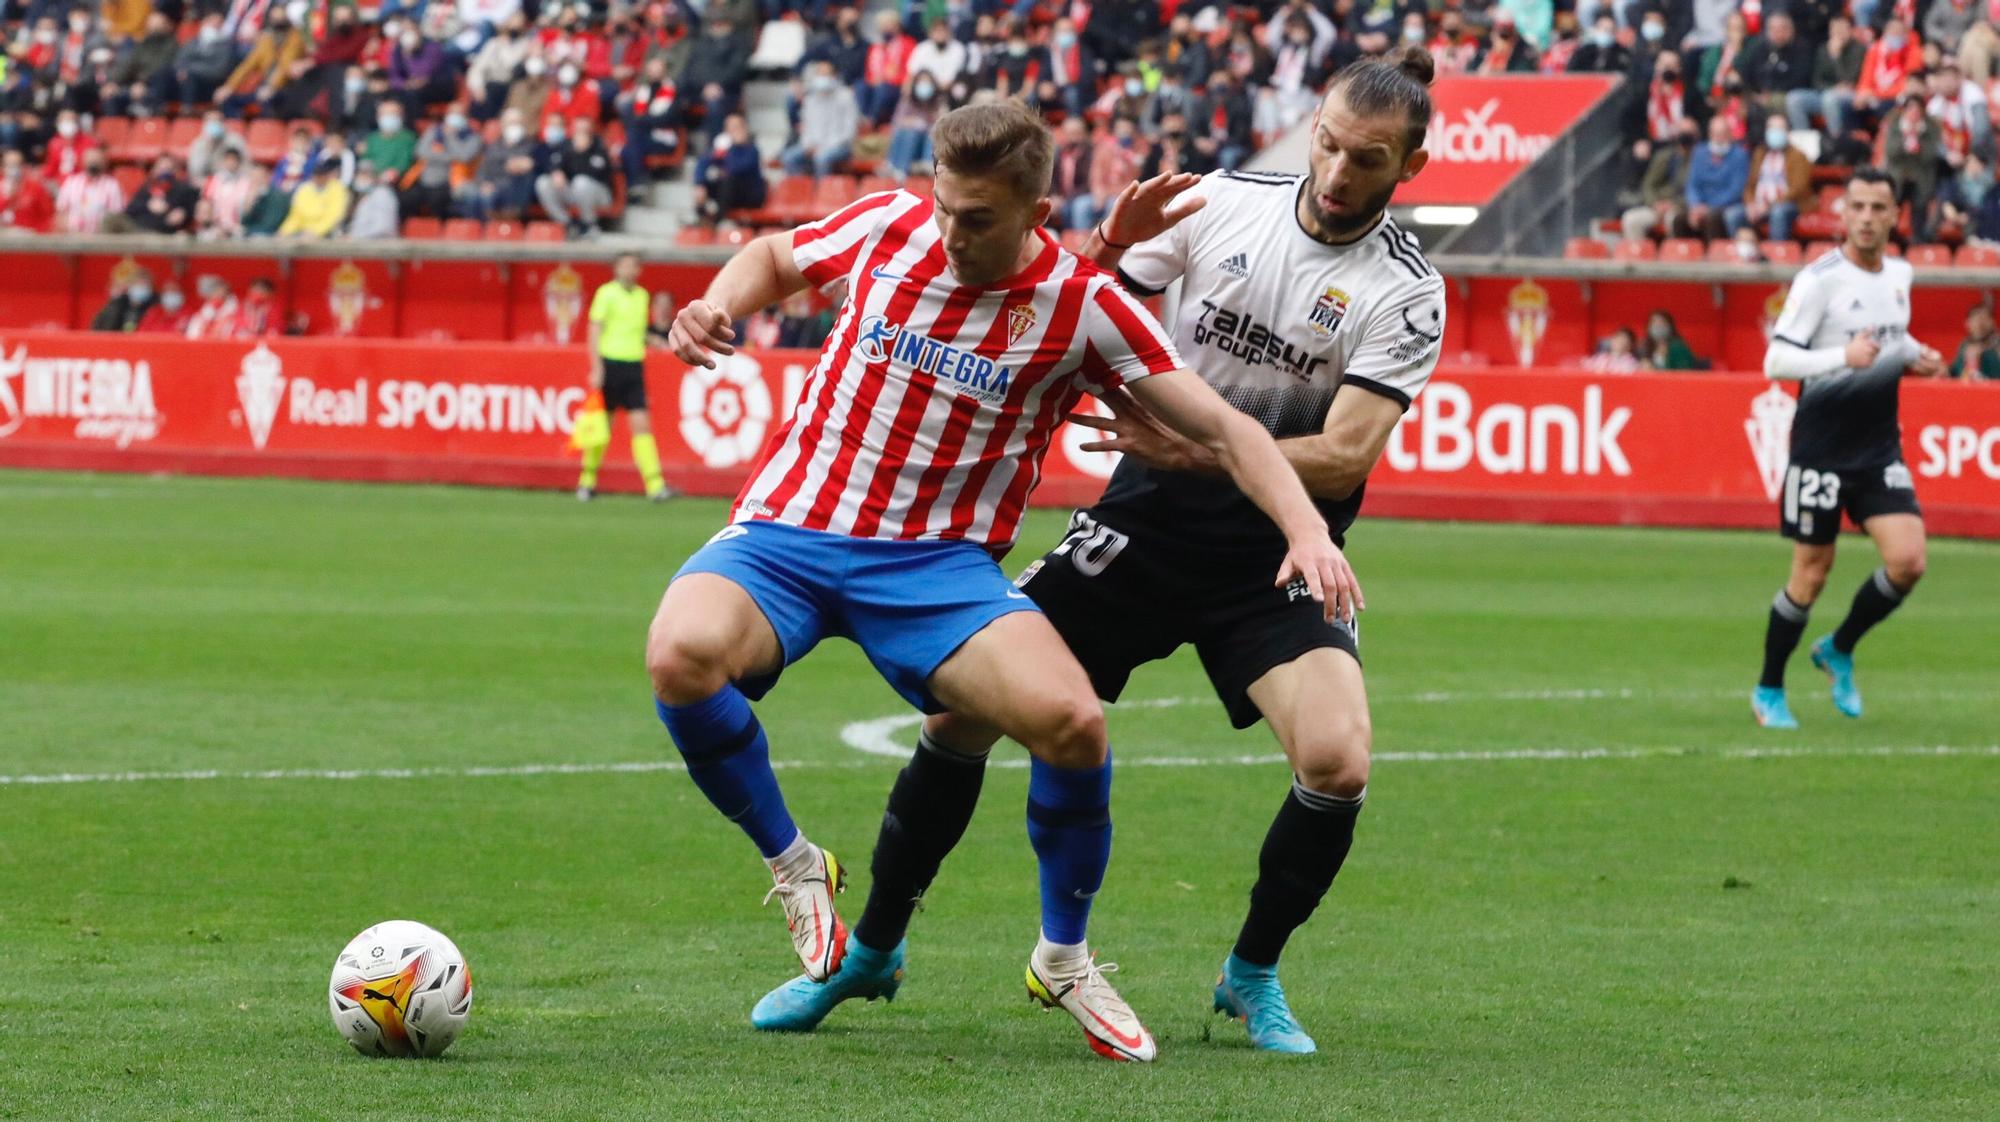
[1781, 253]
[144, 144]
[1682, 249]
[832, 193]
[1825, 221]
[464, 230]
[790, 203]
[181, 135]
[735, 235]
[1722, 251]
[267, 141]
[112, 133]
[310, 125]
[1586, 249]
[918, 185]
[1930, 256]
[503, 230]
[129, 177]
[694, 235]
[1630, 250]
[545, 232]
[1977, 257]
[1818, 249]
[874, 185]
[422, 227]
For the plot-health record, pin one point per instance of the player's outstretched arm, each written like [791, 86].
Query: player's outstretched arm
[1190, 407]
[761, 274]
[1142, 212]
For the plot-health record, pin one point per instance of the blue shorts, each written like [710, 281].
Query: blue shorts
[909, 605]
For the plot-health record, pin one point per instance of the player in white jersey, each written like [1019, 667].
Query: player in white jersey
[1309, 310]
[1845, 332]
[878, 511]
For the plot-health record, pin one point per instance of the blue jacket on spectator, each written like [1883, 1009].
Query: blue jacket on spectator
[1715, 181]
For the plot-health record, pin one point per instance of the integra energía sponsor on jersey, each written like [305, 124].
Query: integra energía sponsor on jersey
[967, 371]
[1240, 336]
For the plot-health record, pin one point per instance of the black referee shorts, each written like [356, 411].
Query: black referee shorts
[1813, 499]
[1122, 599]
[624, 384]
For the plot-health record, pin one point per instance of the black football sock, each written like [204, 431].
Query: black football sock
[929, 808]
[1876, 598]
[1781, 637]
[1302, 854]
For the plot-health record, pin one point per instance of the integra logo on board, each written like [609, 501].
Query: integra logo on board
[110, 399]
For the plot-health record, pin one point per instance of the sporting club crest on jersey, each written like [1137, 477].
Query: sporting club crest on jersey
[1327, 312]
[1020, 321]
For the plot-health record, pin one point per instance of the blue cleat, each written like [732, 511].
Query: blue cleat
[801, 1004]
[1840, 668]
[1768, 703]
[1251, 994]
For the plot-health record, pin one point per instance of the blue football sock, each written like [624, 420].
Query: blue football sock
[1069, 824]
[729, 759]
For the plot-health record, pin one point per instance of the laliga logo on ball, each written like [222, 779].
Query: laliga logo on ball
[725, 411]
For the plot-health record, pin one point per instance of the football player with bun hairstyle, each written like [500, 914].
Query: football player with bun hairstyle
[1309, 310]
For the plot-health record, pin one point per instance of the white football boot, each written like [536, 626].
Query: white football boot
[817, 933]
[1079, 988]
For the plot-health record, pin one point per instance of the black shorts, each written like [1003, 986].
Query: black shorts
[1811, 503]
[624, 384]
[1121, 599]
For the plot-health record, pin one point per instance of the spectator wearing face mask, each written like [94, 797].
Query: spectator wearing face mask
[1014, 70]
[579, 185]
[446, 154]
[939, 55]
[25, 204]
[1722, 61]
[712, 83]
[1836, 71]
[887, 70]
[325, 73]
[214, 317]
[266, 70]
[131, 298]
[493, 67]
[1617, 353]
[652, 120]
[1964, 119]
[530, 92]
[572, 99]
[1665, 349]
[1220, 123]
[257, 317]
[87, 197]
[1114, 162]
[162, 204]
[910, 136]
[377, 212]
[730, 175]
[1779, 187]
[67, 148]
[169, 314]
[318, 208]
[1912, 146]
[504, 185]
[1966, 206]
[844, 47]
[296, 165]
[269, 206]
[1978, 357]
[391, 147]
[828, 120]
[1506, 51]
[1717, 175]
[200, 66]
[205, 153]
[1777, 63]
[138, 73]
[419, 72]
[228, 191]
[1601, 53]
[1073, 67]
[1887, 67]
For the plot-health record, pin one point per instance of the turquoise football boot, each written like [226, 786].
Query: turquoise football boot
[1251, 994]
[801, 1004]
[1768, 703]
[1840, 669]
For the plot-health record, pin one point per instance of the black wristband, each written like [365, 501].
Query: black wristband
[1107, 241]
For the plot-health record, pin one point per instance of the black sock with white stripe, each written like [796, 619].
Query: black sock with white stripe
[1302, 853]
[1781, 637]
[929, 808]
[1876, 598]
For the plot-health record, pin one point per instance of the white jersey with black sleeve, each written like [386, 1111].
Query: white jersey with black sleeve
[1278, 322]
[1847, 419]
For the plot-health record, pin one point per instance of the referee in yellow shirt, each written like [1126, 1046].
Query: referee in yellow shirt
[619, 314]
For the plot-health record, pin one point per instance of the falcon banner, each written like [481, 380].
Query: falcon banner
[1484, 130]
[1531, 445]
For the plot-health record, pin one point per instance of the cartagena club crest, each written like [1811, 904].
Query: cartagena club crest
[1020, 321]
[1327, 312]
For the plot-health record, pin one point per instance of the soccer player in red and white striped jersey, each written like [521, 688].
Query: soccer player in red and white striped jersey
[877, 513]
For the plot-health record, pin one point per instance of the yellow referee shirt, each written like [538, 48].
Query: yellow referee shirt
[621, 315]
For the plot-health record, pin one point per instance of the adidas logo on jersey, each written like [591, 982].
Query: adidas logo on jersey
[1237, 266]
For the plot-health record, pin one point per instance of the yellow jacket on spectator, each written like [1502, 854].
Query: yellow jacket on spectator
[127, 18]
[318, 207]
[270, 60]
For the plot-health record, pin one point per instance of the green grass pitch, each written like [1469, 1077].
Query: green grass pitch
[1586, 885]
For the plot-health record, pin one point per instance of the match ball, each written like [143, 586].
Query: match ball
[400, 989]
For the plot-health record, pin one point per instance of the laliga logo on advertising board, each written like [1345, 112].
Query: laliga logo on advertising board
[1477, 140]
[725, 411]
[110, 399]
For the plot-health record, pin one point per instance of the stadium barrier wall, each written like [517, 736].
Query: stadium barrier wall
[1536, 446]
[1502, 312]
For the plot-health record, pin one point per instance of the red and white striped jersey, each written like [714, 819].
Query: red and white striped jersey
[931, 407]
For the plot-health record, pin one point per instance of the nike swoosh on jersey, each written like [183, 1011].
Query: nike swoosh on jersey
[877, 273]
